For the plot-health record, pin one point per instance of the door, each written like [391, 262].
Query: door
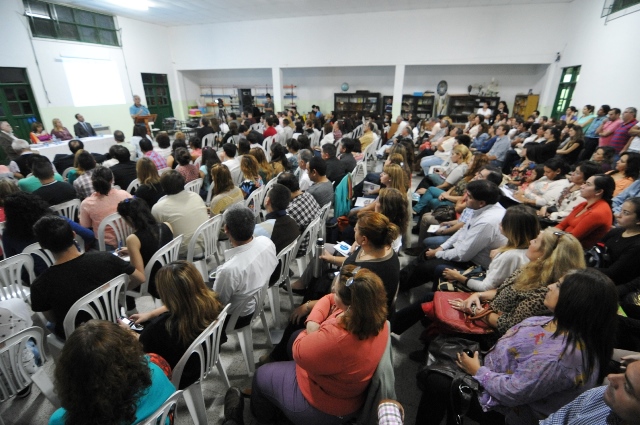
[156, 91]
[566, 87]
[17, 103]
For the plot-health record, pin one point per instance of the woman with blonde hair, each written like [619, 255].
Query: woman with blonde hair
[264, 168]
[150, 189]
[250, 170]
[225, 193]
[189, 308]
[59, 131]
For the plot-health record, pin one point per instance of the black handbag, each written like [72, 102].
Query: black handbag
[444, 213]
[473, 272]
[441, 358]
[597, 256]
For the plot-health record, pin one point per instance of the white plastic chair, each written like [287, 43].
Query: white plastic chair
[359, 172]
[208, 232]
[253, 202]
[15, 377]
[284, 259]
[119, 226]
[65, 173]
[265, 191]
[164, 256]
[1, 232]
[268, 141]
[324, 215]
[245, 334]
[207, 347]
[134, 185]
[209, 195]
[44, 254]
[11, 277]
[159, 417]
[163, 170]
[102, 303]
[370, 151]
[67, 209]
[194, 186]
[208, 140]
[311, 231]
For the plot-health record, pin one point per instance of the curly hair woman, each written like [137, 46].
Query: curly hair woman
[104, 378]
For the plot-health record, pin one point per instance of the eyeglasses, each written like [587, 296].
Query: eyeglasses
[559, 234]
[353, 274]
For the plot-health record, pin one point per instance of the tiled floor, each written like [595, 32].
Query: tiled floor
[35, 409]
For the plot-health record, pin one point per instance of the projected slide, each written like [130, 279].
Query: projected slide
[93, 82]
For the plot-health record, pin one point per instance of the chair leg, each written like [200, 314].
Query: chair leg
[266, 328]
[289, 291]
[43, 382]
[223, 373]
[195, 403]
[245, 338]
[274, 301]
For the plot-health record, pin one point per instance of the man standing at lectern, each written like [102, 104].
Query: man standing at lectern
[83, 128]
[137, 109]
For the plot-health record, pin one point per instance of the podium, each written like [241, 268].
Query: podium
[147, 120]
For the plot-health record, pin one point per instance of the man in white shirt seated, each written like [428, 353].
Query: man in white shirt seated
[304, 156]
[485, 111]
[228, 158]
[248, 264]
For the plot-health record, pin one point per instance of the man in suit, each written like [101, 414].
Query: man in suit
[63, 161]
[83, 128]
[7, 154]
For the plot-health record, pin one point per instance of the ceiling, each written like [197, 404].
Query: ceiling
[193, 12]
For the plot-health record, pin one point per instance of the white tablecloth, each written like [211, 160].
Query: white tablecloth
[98, 144]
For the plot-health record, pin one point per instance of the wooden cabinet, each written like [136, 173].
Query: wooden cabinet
[525, 104]
[459, 106]
[420, 106]
[358, 103]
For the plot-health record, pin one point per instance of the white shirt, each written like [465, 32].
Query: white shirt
[245, 270]
[304, 180]
[501, 267]
[635, 143]
[234, 168]
[484, 112]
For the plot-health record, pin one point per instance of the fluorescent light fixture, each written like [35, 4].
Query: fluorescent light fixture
[133, 4]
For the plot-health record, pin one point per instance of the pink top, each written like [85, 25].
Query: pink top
[97, 206]
[190, 172]
[63, 134]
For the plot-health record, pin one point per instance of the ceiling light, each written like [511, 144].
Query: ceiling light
[133, 4]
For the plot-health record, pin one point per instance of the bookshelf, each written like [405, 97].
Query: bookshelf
[525, 104]
[460, 106]
[420, 106]
[360, 102]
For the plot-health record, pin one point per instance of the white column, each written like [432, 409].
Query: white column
[398, 87]
[276, 75]
[549, 90]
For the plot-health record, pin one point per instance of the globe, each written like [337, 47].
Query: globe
[344, 87]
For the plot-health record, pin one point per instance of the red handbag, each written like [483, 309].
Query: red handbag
[448, 319]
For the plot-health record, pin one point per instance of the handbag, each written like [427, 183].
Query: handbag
[441, 358]
[450, 320]
[444, 213]
[473, 272]
[597, 256]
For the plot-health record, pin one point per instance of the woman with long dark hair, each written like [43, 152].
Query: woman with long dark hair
[626, 172]
[570, 152]
[542, 363]
[209, 159]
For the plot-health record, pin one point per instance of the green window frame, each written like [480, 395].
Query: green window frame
[55, 21]
[619, 5]
[568, 81]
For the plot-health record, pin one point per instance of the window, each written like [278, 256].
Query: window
[619, 5]
[568, 81]
[66, 23]
[614, 9]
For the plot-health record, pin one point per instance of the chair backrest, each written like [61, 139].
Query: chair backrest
[253, 201]
[44, 254]
[284, 259]
[267, 188]
[208, 233]
[101, 303]
[11, 276]
[324, 215]
[159, 417]
[198, 162]
[310, 232]
[257, 127]
[194, 186]
[164, 256]
[14, 375]
[370, 151]
[358, 173]
[67, 209]
[314, 139]
[65, 173]
[119, 226]
[135, 184]
[1, 232]
[209, 195]
[257, 297]
[268, 141]
[206, 346]
[163, 170]
[208, 140]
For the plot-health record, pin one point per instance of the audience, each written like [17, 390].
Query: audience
[52, 191]
[124, 172]
[622, 244]
[335, 169]
[183, 210]
[251, 175]
[322, 187]
[147, 150]
[225, 193]
[626, 172]
[228, 158]
[150, 189]
[189, 171]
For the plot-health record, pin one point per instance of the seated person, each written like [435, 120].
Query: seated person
[82, 183]
[346, 155]
[183, 210]
[251, 179]
[150, 189]
[335, 169]
[59, 131]
[102, 202]
[83, 128]
[546, 190]
[248, 264]
[124, 172]
[51, 190]
[328, 378]
[38, 133]
[225, 193]
[147, 150]
[73, 274]
[470, 245]
[181, 319]
[627, 170]
[189, 171]
[541, 363]
[622, 244]
[62, 161]
[125, 366]
[592, 219]
[302, 207]
[322, 188]
[32, 183]
[21, 166]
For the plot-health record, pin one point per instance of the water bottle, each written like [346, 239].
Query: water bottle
[317, 262]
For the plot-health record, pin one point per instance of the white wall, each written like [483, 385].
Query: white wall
[141, 52]
[608, 55]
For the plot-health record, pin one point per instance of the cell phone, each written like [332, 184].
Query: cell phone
[132, 325]
[468, 352]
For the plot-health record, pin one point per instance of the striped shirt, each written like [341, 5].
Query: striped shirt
[587, 409]
[157, 159]
[621, 135]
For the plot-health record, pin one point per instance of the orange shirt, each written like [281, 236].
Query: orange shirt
[591, 226]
